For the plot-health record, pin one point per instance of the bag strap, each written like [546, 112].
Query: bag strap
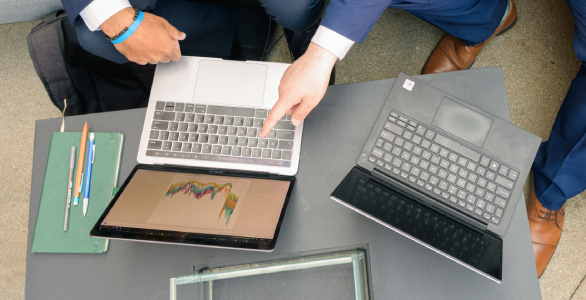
[46, 48]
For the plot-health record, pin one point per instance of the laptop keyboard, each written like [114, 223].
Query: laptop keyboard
[219, 133]
[420, 222]
[478, 185]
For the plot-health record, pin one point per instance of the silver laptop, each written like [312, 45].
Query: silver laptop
[208, 112]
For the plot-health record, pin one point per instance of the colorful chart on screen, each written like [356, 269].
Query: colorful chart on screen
[203, 201]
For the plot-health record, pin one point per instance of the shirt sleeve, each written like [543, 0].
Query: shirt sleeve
[99, 11]
[332, 41]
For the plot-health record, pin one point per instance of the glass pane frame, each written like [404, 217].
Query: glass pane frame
[355, 258]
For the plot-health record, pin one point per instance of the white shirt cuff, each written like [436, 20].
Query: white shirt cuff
[332, 41]
[99, 11]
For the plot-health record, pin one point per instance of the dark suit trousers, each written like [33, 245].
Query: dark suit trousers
[559, 170]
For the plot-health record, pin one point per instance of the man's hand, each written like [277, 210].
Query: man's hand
[302, 87]
[155, 40]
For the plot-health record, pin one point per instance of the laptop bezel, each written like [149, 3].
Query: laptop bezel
[189, 238]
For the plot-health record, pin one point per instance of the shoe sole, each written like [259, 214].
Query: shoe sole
[468, 68]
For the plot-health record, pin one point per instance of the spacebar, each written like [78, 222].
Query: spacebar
[232, 159]
[231, 111]
[444, 141]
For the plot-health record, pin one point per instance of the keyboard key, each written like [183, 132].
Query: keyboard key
[176, 146]
[407, 135]
[285, 145]
[504, 182]
[480, 170]
[503, 192]
[397, 162]
[494, 165]
[416, 140]
[180, 117]
[425, 144]
[490, 208]
[461, 203]
[193, 137]
[251, 132]
[461, 194]
[417, 150]
[491, 186]
[442, 174]
[490, 175]
[454, 168]
[273, 144]
[396, 151]
[203, 138]
[164, 135]
[209, 119]
[443, 185]
[160, 105]
[420, 130]
[424, 165]
[287, 155]
[435, 159]
[174, 136]
[207, 148]
[489, 197]
[190, 118]
[154, 134]
[266, 153]
[461, 182]
[429, 134]
[478, 212]
[433, 169]
[426, 154]
[471, 166]
[444, 164]
[186, 147]
[196, 148]
[462, 161]
[242, 141]
[499, 212]
[237, 151]
[470, 187]
[164, 116]
[155, 145]
[242, 131]
[504, 170]
[481, 182]
[170, 106]
[256, 152]
[173, 126]
[434, 148]
[408, 146]
[513, 175]
[500, 202]
[480, 204]
[415, 171]
[286, 125]
[453, 157]
[471, 199]
[160, 125]
[232, 130]
[219, 120]
[404, 156]
[495, 220]
[276, 154]
[192, 127]
[406, 167]
[479, 192]
[184, 136]
[387, 135]
[387, 146]
[377, 152]
[463, 173]
[200, 109]
[399, 141]
[213, 129]
[424, 176]
[414, 160]
[285, 135]
[202, 128]
[179, 106]
[452, 178]
[444, 152]
[452, 190]
[249, 122]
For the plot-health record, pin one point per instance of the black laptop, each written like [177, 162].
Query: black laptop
[443, 173]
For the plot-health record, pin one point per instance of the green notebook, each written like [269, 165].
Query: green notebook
[49, 236]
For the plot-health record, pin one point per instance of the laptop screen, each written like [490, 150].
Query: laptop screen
[198, 205]
[476, 250]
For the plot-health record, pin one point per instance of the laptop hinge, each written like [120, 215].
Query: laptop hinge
[426, 200]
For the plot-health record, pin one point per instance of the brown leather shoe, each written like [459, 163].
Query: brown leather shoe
[546, 229]
[450, 54]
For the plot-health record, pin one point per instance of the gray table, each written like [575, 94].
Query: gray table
[334, 135]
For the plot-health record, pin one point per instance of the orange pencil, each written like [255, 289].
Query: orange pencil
[80, 161]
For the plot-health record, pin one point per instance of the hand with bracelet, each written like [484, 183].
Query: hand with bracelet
[155, 40]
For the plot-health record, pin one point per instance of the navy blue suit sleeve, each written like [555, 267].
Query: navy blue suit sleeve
[74, 7]
[354, 18]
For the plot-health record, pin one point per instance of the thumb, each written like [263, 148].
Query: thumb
[174, 33]
[299, 113]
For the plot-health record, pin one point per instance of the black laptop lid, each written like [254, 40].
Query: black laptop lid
[473, 249]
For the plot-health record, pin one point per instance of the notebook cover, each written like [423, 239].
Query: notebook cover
[49, 236]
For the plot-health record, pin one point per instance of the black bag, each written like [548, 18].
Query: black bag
[87, 82]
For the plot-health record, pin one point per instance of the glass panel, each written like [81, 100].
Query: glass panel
[331, 276]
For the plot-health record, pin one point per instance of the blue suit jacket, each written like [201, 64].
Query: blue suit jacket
[354, 18]
[74, 7]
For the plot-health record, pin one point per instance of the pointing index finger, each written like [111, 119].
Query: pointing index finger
[278, 111]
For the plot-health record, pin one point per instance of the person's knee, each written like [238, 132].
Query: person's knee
[295, 15]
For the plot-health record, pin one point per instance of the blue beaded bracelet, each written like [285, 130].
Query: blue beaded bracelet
[130, 30]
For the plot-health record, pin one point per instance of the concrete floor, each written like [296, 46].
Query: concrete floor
[538, 62]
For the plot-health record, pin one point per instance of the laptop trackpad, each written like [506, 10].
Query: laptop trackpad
[230, 83]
